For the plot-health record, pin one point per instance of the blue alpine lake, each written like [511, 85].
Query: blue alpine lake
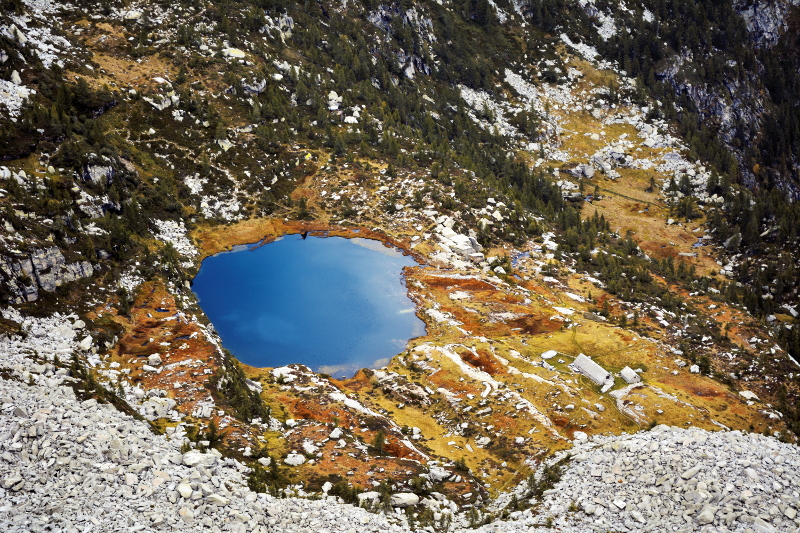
[336, 305]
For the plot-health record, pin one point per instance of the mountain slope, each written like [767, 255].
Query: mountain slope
[575, 188]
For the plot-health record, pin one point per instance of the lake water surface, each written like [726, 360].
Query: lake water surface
[333, 304]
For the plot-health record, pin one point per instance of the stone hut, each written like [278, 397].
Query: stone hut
[593, 371]
[629, 375]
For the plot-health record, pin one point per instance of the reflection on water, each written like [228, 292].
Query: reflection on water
[377, 246]
[333, 304]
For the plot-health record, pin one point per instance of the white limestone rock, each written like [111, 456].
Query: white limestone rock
[404, 499]
[194, 458]
[747, 395]
[234, 53]
[294, 459]
[86, 343]
[217, 499]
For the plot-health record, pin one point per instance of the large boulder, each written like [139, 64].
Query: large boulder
[294, 459]
[194, 458]
[437, 474]
[372, 496]
[234, 53]
[404, 499]
[158, 407]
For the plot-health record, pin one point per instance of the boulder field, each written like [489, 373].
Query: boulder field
[68, 464]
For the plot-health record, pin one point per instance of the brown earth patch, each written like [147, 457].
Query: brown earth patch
[483, 360]
[705, 390]
[189, 362]
[450, 381]
[533, 325]
[358, 383]
[314, 408]
[456, 284]
[559, 421]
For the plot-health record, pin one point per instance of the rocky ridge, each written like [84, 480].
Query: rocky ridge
[766, 20]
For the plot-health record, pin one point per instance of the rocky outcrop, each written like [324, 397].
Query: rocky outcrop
[421, 26]
[43, 269]
[766, 20]
[734, 107]
[99, 174]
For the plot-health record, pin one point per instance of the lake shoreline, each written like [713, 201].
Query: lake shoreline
[328, 302]
[211, 240]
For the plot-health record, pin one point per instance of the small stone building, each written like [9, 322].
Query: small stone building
[629, 375]
[593, 371]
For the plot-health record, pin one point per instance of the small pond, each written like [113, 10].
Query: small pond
[333, 304]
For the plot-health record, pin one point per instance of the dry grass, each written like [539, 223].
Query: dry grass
[646, 218]
[591, 75]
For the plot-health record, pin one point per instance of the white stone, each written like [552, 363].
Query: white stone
[404, 499]
[216, 499]
[185, 490]
[186, 515]
[234, 53]
[86, 343]
[194, 458]
[706, 516]
[10, 481]
[437, 474]
[294, 459]
[689, 474]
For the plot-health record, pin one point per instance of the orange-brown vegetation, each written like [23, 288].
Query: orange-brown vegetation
[482, 360]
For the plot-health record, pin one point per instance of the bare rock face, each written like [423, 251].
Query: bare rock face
[99, 174]
[44, 269]
[766, 20]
